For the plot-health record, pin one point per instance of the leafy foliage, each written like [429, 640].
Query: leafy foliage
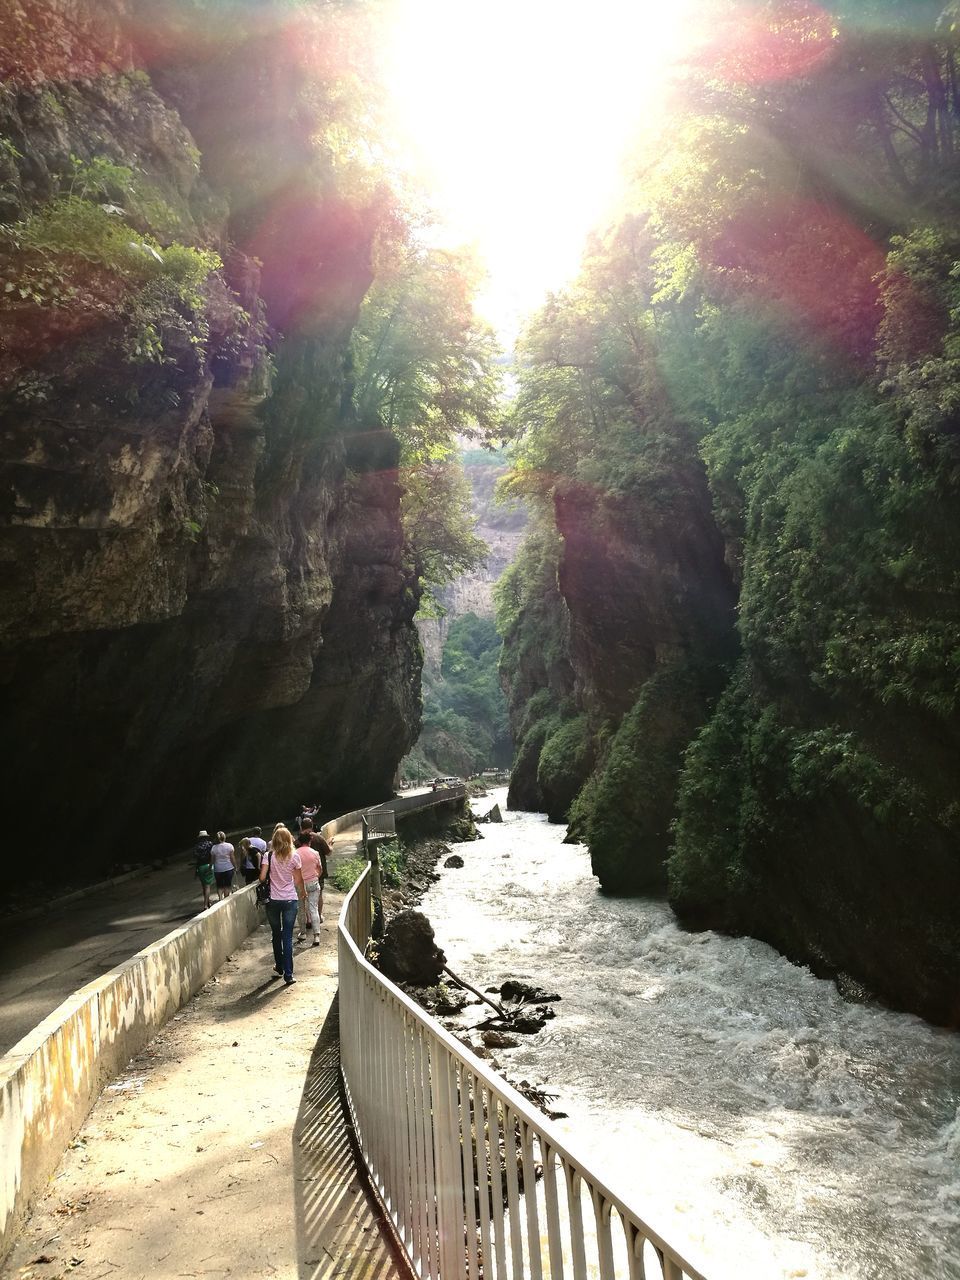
[535, 666]
[628, 822]
[485, 469]
[424, 365]
[392, 858]
[781, 308]
[425, 370]
[565, 760]
[74, 261]
[435, 509]
[465, 727]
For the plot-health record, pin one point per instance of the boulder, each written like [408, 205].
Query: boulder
[463, 829]
[441, 1000]
[454, 861]
[408, 950]
[498, 1040]
[524, 992]
[451, 1000]
[529, 1023]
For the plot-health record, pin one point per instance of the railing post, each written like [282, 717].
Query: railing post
[376, 888]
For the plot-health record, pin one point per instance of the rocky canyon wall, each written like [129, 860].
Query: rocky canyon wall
[207, 613]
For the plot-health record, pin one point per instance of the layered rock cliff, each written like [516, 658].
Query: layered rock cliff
[652, 613]
[207, 611]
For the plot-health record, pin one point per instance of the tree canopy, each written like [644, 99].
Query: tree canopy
[425, 370]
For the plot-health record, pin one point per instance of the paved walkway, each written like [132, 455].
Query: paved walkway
[45, 958]
[222, 1150]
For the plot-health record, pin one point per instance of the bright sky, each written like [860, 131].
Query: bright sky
[515, 115]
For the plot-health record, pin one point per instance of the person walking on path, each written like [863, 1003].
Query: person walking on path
[318, 843]
[224, 865]
[245, 861]
[284, 868]
[204, 865]
[307, 813]
[252, 849]
[312, 884]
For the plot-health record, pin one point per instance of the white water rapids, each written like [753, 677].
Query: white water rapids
[734, 1100]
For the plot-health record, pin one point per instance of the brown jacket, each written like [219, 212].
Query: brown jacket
[318, 843]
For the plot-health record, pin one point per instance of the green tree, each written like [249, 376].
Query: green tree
[425, 366]
[425, 370]
[465, 725]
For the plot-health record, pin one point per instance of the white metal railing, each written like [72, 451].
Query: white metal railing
[475, 1181]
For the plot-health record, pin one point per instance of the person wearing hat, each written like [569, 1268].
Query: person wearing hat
[204, 865]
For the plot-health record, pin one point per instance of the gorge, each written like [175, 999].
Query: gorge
[235, 379]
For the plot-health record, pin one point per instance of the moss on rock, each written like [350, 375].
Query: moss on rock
[629, 827]
[565, 761]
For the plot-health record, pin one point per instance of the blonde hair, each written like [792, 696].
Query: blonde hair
[282, 842]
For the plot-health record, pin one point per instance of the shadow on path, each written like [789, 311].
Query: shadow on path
[252, 1000]
[338, 1231]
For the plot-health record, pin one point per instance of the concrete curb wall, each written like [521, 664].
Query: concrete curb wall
[426, 800]
[343, 823]
[399, 804]
[52, 1077]
[74, 895]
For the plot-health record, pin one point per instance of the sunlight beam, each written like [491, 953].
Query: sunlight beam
[515, 115]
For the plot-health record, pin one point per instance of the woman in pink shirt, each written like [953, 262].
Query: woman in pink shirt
[282, 864]
[312, 884]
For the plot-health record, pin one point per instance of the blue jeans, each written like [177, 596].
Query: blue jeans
[282, 916]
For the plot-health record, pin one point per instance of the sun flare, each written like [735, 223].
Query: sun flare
[514, 115]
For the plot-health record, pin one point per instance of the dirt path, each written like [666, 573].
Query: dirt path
[221, 1151]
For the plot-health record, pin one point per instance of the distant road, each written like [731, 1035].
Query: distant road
[45, 959]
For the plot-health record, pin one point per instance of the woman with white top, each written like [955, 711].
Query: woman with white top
[282, 864]
[224, 865]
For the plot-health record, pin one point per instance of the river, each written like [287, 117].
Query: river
[735, 1100]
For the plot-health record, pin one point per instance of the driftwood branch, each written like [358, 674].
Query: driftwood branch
[473, 990]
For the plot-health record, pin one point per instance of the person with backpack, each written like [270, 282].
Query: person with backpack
[252, 849]
[282, 870]
[203, 861]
